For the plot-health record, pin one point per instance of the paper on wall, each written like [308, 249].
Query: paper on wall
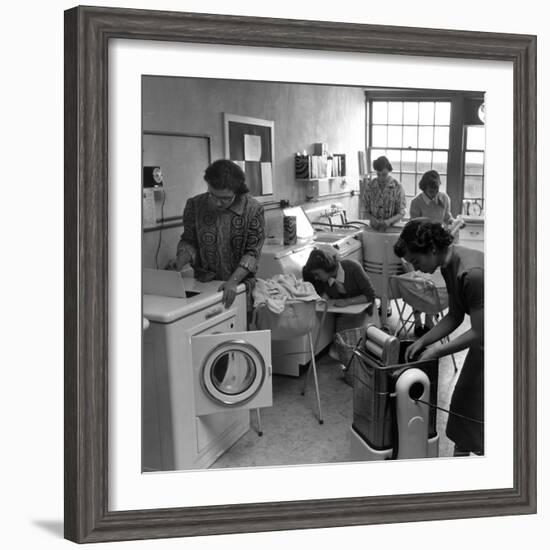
[267, 182]
[252, 147]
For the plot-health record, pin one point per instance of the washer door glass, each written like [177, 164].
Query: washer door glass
[233, 373]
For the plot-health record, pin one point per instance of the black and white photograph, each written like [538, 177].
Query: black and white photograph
[313, 273]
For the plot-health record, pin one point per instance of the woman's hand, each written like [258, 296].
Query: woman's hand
[433, 352]
[341, 303]
[229, 289]
[413, 350]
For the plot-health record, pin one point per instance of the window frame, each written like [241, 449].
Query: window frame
[456, 149]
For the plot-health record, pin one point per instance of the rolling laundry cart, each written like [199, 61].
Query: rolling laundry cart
[389, 421]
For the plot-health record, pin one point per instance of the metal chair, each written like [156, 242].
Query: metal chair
[381, 263]
[421, 294]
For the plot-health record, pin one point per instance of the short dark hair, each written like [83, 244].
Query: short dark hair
[319, 259]
[382, 162]
[429, 179]
[225, 174]
[422, 235]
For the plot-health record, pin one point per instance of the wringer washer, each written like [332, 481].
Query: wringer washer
[389, 420]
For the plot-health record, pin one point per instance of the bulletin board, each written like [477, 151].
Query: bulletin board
[249, 143]
[183, 158]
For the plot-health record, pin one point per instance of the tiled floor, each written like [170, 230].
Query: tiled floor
[292, 434]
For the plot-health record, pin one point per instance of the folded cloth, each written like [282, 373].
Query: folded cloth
[274, 292]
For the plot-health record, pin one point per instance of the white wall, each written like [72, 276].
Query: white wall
[32, 316]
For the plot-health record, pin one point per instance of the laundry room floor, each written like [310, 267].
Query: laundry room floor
[292, 433]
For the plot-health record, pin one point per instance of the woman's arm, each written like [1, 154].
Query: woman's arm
[255, 237]
[400, 206]
[473, 293]
[361, 280]
[467, 339]
[359, 299]
[414, 210]
[249, 261]
[446, 326]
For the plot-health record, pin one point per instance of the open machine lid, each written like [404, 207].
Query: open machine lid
[304, 229]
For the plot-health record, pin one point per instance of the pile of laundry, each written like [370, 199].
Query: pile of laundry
[274, 293]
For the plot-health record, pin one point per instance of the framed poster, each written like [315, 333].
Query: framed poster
[107, 497]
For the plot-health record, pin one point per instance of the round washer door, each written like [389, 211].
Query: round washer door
[232, 373]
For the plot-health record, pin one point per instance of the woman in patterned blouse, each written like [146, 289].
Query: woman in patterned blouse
[384, 197]
[223, 231]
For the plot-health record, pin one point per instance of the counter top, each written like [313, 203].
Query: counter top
[165, 309]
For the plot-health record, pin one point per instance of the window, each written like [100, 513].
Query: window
[474, 161]
[414, 135]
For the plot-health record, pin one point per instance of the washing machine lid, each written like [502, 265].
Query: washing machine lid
[304, 229]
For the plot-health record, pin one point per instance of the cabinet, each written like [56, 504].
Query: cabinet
[472, 234]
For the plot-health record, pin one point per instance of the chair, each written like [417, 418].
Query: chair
[298, 319]
[381, 263]
[421, 294]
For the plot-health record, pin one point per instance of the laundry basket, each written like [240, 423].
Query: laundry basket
[345, 343]
[296, 319]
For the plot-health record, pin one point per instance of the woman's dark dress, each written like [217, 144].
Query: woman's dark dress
[464, 277]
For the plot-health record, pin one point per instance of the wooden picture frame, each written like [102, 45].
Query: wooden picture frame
[87, 34]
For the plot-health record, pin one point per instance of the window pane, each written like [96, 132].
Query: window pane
[395, 161]
[394, 136]
[379, 138]
[473, 187]
[475, 137]
[441, 137]
[425, 137]
[408, 182]
[473, 163]
[410, 136]
[426, 112]
[424, 161]
[395, 112]
[379, 112]
[443, 183]
[439, 162]
[410, 112]
[408, 161]
[443, 113]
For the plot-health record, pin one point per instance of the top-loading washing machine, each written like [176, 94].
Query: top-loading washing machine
[202, 372]
[292, 355]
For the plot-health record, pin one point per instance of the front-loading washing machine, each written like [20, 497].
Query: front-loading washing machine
[202, 373]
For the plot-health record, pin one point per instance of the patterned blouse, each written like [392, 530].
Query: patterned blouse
[384, 201]
[219, 241]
